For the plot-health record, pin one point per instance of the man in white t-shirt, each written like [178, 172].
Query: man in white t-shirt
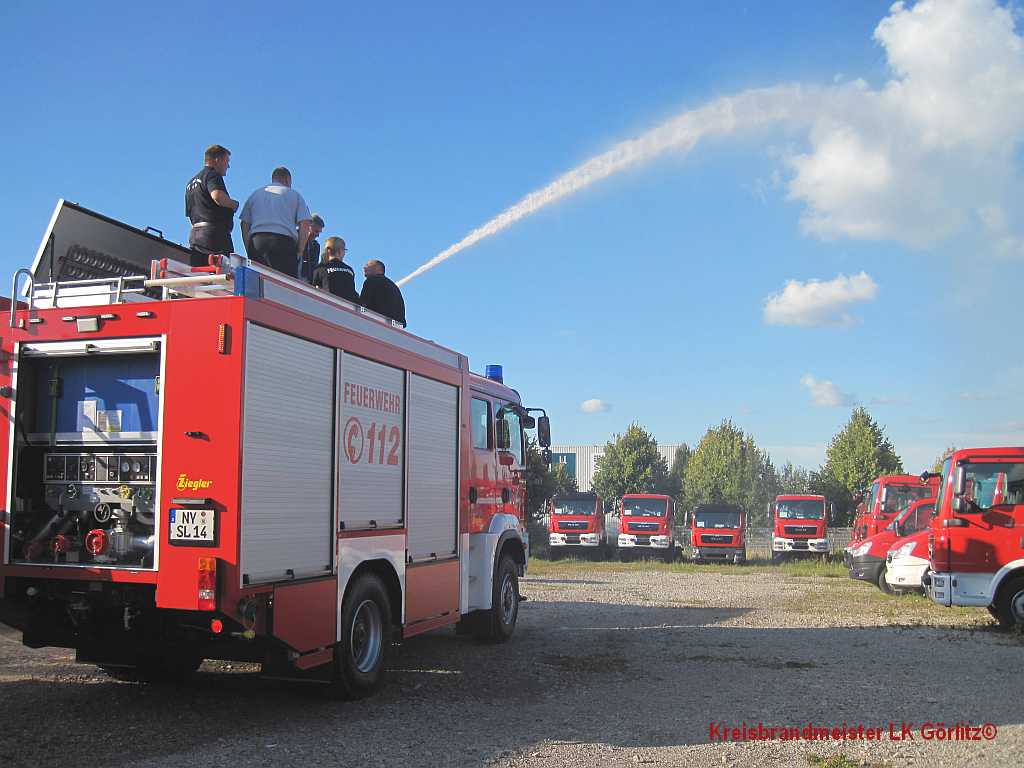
[271, 219]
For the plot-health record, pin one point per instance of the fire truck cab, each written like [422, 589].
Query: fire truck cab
[975, 540]
[646, 525]
[223, 462]
[799, 526]
[718, 533]
[576, 524]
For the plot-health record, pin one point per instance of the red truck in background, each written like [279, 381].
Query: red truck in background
[868, 559]
[718, 532]
[227, 463]
[977, 535]
[646, 525]
[576, 524]
[906, 562]
[887, 497]
[799, 525]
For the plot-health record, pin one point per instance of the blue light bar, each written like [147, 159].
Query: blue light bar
[494, 373]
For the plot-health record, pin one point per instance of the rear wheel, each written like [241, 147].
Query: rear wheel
[365, 639]
[498, 624]
[1008, 609]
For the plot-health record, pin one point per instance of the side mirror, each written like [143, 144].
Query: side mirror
[960, 480]
[528, 421]
[544, 432]
[545, 456]
[504, 439]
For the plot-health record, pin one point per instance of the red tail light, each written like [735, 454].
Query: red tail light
[96, 541]
[207, 584]
[60, 543]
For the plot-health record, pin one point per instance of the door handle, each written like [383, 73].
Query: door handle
[472, 495]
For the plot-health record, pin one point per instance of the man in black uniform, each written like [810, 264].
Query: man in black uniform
[210, 208]
[380, 294]
[334, 275]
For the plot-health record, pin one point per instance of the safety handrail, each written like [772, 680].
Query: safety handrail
[14, 292]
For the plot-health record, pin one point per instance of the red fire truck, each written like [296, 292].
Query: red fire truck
[576, 524]
[799, 525]
[976, 537]
[226, 463]
[718, 532]
[646, 525]
[890, 495]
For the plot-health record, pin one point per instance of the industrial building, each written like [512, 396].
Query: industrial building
[581, 460]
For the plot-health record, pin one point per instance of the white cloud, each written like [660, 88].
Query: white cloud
[816, 302]
[826, 393]
[929, 153]
[595, 406]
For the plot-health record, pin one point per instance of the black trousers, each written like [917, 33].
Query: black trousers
[206, 240]
[279, 252]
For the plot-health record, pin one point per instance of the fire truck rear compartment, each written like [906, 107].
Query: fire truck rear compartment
[85, 458]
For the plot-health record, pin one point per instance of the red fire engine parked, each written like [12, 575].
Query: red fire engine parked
[799, 525]
[646, 525]
[888, 496]
[976, 538]
[718, 532]
[576, 524]
[227, 463]
[868, 558]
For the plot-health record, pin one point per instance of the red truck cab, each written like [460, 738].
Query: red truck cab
[799, 525]
[977, 557]
[718, 532]
[868, 558]
[646, 525]
[576, 524]
[888, 496]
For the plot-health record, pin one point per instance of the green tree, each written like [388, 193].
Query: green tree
[630, 464]
[542, 481]
[793, 479]
[727, 466]
[937, 466]
[858, 454]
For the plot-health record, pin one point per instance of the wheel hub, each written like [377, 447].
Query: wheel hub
[366, 638]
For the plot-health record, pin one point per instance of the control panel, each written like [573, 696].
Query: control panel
[85, 468]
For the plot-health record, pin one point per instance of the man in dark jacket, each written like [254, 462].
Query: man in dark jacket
[380, 294]
[334, 275]
[210, 208]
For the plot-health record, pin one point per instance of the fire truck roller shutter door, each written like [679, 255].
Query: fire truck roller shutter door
[288, 436]
[372, 452]
[433, 468]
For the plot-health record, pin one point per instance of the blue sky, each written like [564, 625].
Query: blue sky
[408, 125]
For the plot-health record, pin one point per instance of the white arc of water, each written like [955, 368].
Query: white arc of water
[721, 117]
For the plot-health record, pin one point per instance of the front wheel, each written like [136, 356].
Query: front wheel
[882, 583]
[1008, 609]
[365, 639]
[498, 624]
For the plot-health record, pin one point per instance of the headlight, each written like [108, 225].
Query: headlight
[861, 550]
[904, 550]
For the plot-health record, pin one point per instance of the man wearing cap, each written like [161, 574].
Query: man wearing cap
[334, 275]
[276, 224]
[210, 208]
[311, 256]
[380, 294]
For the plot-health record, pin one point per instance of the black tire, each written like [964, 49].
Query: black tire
[670, 555]
[881, 583]
[776, 558]
[625, 556]
[1008, 609]
[498, 624]
[555, 553]
[358, 668]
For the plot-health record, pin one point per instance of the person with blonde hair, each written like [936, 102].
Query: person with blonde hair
[334, 275]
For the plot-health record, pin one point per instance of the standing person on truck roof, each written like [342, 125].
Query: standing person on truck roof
[380, 294]
[334, 275]
[311, 256]
[210, 208]
[276, 224]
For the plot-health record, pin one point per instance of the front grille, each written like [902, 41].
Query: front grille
[715, 539]
[573, 525]
[572, 538]
[799, 545]
[642, 526]
[643, 539]
[799, 530]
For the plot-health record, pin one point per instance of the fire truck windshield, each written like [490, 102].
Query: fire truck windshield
[716, 519]
[991, 484]
[801, 509]
[899, 497]
[574, 507]
[644, 507]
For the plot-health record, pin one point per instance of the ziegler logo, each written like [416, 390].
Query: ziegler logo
[187, 484]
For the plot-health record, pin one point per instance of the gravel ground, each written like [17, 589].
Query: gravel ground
[610, 665]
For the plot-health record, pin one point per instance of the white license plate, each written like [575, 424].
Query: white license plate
[192, 525]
